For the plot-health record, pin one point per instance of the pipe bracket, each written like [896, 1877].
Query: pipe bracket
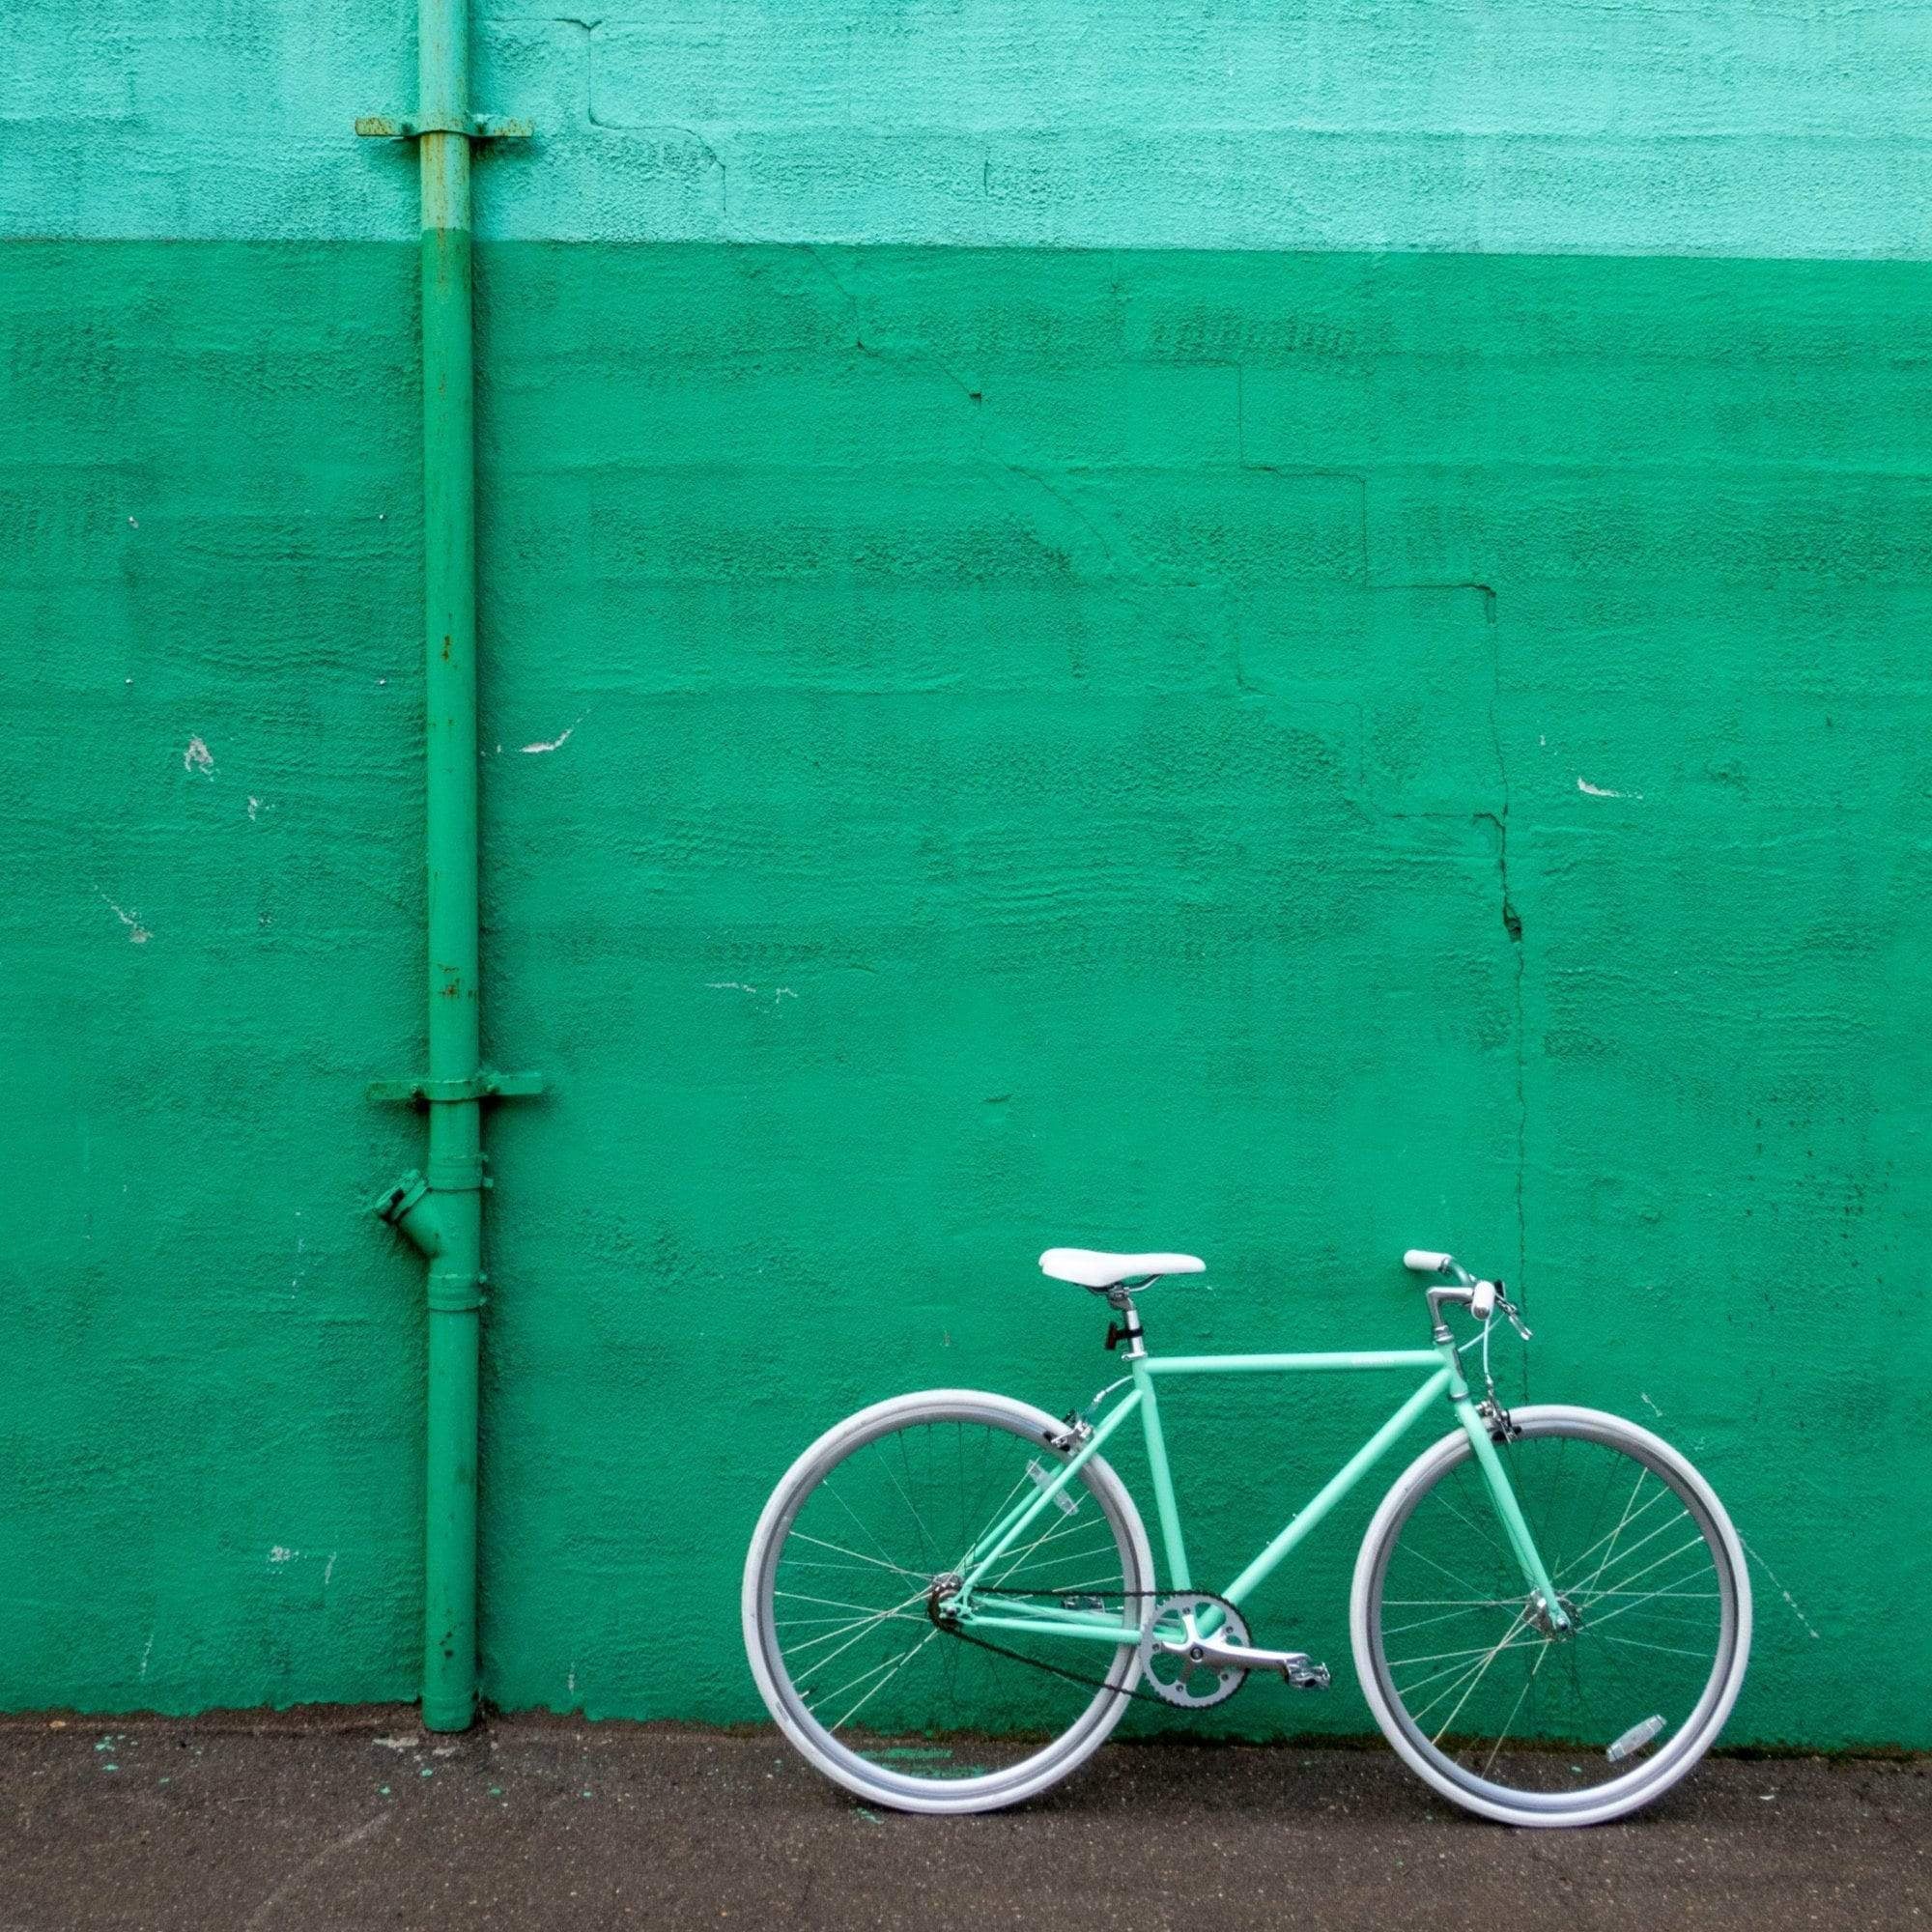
[485, 1085]
[478, 127]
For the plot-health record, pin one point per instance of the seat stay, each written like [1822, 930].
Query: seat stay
[1009, 1528]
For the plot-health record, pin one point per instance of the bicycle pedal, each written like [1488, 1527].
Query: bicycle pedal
[1303, 1675]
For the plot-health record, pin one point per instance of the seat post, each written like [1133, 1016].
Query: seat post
[1121, 1297]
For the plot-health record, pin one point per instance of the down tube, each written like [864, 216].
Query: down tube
[1337, 1487]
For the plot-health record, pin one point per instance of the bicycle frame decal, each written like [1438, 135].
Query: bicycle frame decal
[981, 1567]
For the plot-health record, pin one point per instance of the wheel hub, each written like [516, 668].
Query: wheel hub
[1536, 1614]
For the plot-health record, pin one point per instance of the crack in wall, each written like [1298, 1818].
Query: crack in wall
[590, 27]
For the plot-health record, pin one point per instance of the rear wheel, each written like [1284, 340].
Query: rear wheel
[1499, 1709]
[894, 1706]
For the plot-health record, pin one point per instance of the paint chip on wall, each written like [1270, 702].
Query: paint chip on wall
[138, 933]
[555, 744]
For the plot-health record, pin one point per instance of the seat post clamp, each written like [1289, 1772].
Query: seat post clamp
[1127, 1329]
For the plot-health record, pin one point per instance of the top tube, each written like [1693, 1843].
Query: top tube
[1347, 1358]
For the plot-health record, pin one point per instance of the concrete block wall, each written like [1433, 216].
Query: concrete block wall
[1281, 632]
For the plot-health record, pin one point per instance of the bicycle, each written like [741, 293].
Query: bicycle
[1550, 1614]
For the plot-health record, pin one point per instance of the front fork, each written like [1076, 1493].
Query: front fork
[1546, 1609]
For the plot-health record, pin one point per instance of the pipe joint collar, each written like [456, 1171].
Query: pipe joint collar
[457, 1173]
[455, 1291]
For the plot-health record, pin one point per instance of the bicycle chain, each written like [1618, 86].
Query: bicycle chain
[1052, 1669]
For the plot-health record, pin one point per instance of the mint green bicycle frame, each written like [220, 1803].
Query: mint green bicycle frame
[1016, 1613]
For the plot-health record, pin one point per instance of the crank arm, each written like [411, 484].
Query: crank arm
[1293, 1664]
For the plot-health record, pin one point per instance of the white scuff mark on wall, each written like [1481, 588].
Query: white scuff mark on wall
[254, 807]
[1603, 792]
[1790, 1600]
[198, 757]
[148, 1651]
[555, 744]
[328, 1568]
[570, 1678]
[739, 986]
[1649, 1404]
[280, 1554]
[138, 933]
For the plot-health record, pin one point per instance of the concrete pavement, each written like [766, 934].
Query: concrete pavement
[355, 1819]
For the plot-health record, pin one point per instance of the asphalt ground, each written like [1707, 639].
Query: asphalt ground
[358, 1819]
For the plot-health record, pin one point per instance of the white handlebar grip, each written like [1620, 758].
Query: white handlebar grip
[1425, 1261]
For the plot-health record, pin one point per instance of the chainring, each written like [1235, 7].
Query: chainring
[1192, 1684]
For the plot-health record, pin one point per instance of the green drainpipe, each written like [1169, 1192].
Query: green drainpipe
[442, 1210]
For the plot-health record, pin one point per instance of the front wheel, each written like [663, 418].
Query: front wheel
[1479, 1693]
[850, 1557]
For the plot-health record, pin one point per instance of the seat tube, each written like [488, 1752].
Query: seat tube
[1163, 1481]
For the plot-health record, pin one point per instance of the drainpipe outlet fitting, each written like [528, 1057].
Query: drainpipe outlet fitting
[408, 1208]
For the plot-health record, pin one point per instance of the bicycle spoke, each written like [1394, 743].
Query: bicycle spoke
[1460, 1671]
[1695, 1543]
[1448, 1572]
[1630, 1549]
[864, 1630]
[859, 1553]
[900, 1666]
[1476, 1673]
[1463, 1611]
[1637, 1644]
[1488, 1763]
[833, 1603]
[853, 1513]
[1622, 1521]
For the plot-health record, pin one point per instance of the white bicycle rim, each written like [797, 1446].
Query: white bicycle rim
[1653, 1776]
[859, 1775]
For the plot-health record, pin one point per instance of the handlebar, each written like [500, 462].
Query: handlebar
[1482, 1298]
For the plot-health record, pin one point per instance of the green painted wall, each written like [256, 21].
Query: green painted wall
[1263, 747]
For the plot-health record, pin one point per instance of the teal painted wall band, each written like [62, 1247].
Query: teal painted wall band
[1704, 128]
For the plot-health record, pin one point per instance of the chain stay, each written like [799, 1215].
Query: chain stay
[1071, 1600]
